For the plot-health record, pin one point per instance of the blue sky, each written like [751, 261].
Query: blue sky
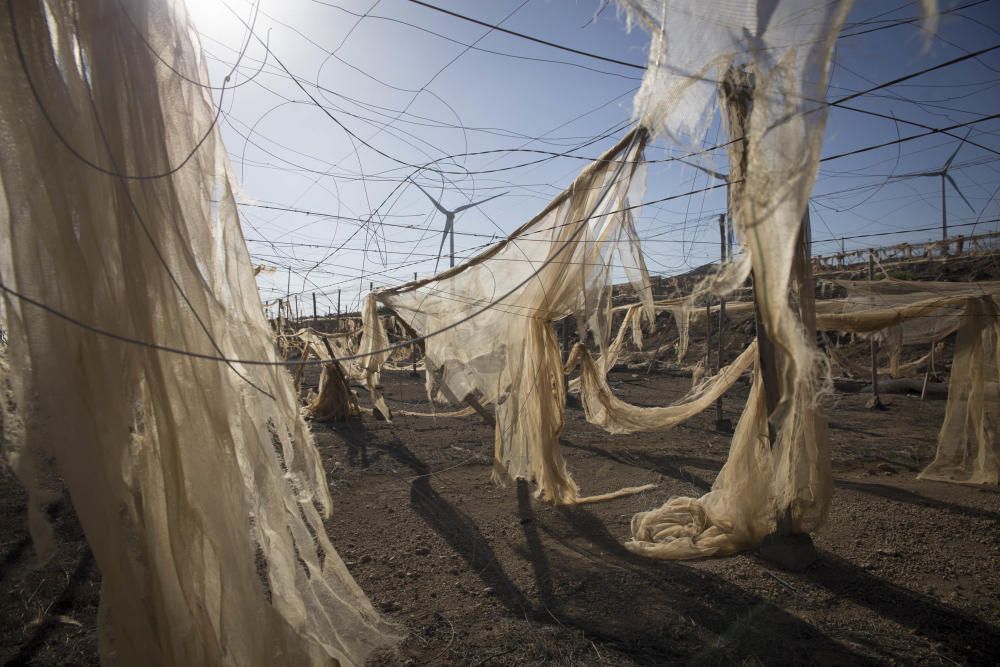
[401, 77]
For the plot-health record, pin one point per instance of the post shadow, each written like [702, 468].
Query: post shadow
[457, 529]
[968, 638]
[907, 496]
[64, 604]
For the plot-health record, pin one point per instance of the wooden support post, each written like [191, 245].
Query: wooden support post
[483, 413]
[721, 423]
[565, 340]
[875, 402]
[929, 372]
[471, 401]
[767, 360]
[297, 378]
[804, 276]
[736, 90]
[785, 548]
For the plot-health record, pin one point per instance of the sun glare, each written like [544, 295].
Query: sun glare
[212, 17]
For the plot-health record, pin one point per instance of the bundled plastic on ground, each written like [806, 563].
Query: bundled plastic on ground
[197, 484]
[718, 523]
[489, 320]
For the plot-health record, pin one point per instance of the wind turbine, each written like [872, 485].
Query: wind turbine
[945, 176]
[449, 222]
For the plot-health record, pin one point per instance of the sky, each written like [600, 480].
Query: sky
[325, 212]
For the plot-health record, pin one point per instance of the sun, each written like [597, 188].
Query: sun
[213, 17]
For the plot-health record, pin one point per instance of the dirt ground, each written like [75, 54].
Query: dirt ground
[474, 574]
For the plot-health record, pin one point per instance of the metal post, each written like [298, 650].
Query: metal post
[315, 316]
[338, 310]
[874, 403]
[944, 212]
[413, 346]
[708, 336]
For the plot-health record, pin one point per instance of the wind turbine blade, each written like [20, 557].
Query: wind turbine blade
[710, 172]
[444, 236]
[477, 203]
[960, 144]
[955, 185]
[437, 204]
[900, 177]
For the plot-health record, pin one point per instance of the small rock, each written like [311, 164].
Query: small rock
[421, 551]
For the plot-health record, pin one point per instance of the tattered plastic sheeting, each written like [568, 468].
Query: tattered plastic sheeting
[969, 442]
[490, 319]
[633, 318]
[783, 47]
[375, 346]
[198, 486]
[723, 522]
[900, 313]
[602, 408]
[889, 293]
[896, 368]
[632, 321]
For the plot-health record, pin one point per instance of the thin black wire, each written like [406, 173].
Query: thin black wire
[537, 40]
[893, 24]
[825, 159]
[221, 357]
[569, 154]
[473, 47]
